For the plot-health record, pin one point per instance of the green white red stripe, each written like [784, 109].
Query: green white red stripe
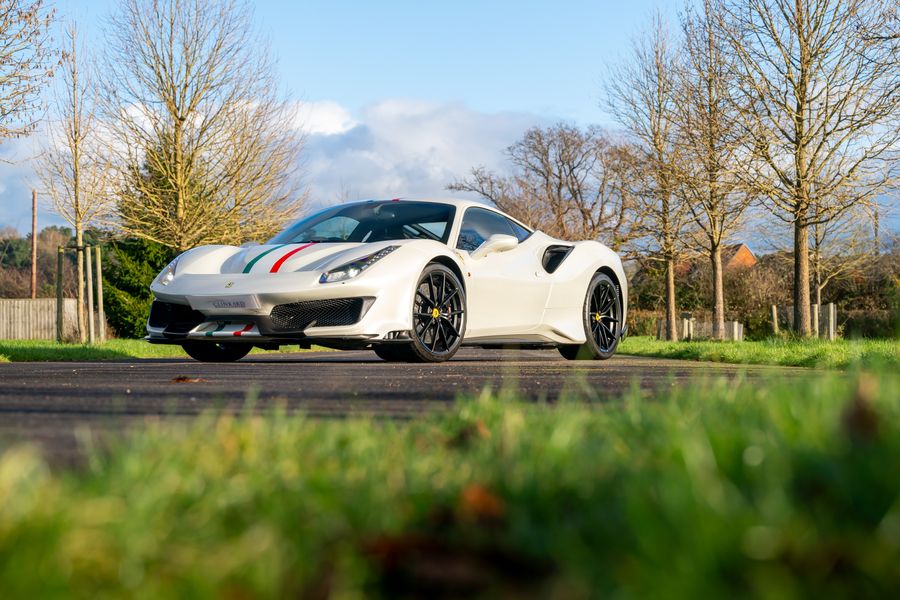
[278, 263]
[281, 260]
[246, 328]
[256, 258]
[217, 329]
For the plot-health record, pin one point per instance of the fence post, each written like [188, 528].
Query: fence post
[815, 320]
[775, 319]
[832, 322]
[59, 294]
[101, 316]
[90, 294]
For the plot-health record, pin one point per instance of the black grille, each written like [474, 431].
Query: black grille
[175, 318]
[297, 316]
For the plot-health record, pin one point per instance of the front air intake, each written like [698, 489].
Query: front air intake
[176, 319]
[297, 316]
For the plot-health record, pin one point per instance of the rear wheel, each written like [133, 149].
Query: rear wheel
[602, 318]
[213, 352]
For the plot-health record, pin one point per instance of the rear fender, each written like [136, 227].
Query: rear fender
[571, 279]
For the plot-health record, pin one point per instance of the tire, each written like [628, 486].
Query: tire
[602, 319]
[394, 352]
[213, 352]
[439, 318]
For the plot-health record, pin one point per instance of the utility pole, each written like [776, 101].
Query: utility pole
[34, 243]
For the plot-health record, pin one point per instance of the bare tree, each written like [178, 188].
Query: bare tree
[707, 134]
[842, 248]
[818, 97]
[568, 181]
[71, 167]
[642, 97]
[205, 148]
[26, 61]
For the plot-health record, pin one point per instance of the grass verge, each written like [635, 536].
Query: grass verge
[840, 354]
[776, 489]
[44, 350]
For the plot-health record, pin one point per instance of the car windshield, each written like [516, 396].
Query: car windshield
[372, 222]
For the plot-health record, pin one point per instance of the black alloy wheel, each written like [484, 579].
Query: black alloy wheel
[438, 316]
[216, 352]
[602, 317]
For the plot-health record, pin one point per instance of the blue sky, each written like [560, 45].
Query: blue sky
[541, 57]
[401, 97]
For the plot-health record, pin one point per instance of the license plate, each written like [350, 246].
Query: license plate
[224, 302]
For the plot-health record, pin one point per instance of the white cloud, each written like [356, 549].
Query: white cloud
[323, 118]
[408, 148]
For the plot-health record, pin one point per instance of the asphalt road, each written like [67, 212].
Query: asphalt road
[54, 403]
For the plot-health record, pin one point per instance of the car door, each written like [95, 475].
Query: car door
[505, 291]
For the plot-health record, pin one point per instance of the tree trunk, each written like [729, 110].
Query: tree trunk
[179, 185]
[801, 279]
[671, 325]
[79, 282]
[718, 294]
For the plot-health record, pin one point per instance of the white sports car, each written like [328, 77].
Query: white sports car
[412, 280]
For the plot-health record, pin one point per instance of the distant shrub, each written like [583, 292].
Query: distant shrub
[131, 265]
[757, 324]
[870, 323]
[642, 322]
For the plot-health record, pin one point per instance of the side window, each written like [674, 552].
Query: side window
[520, 232]
[478, 225]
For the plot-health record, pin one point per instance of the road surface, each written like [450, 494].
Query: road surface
[49, 403]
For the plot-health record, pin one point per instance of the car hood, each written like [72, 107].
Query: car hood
[287, 258]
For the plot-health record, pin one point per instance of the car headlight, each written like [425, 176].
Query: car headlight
[167, 274]
[355, 267]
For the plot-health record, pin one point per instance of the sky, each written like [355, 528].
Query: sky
[399, 98]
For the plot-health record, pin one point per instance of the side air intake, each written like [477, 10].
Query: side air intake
[554, 256]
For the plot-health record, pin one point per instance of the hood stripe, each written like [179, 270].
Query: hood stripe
[281, 260]
[255, 260]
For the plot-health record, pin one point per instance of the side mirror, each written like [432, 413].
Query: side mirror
[496, 243]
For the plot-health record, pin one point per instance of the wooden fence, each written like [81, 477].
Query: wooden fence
[824, 320]
[27, 319]
[690, 328]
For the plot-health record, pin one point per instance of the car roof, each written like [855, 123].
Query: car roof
[457, 202]
[453, 201]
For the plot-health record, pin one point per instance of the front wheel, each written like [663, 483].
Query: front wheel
[438, 317]
[602, 317]
[394, 352]
[213, 352]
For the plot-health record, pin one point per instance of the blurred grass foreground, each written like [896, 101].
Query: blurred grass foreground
[783, 489]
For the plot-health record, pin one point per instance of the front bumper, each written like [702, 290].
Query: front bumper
[239, 308]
